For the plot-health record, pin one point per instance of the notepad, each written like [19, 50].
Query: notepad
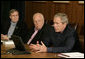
[72, 55]
[8, 42]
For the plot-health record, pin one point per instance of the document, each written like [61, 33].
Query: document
[72, 55]
[8, 42]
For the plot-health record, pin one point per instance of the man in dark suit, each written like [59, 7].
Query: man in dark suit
[39, 31]
[63, 38]
[14, 26]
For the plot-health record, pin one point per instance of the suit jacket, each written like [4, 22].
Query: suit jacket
[20, 29]
[66, 41]
[41, 35]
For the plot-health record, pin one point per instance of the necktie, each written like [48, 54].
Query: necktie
[32, 37]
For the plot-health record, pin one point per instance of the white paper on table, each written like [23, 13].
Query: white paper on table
[72, 55]
[8, 42]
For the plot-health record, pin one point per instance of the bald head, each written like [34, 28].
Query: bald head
[38, 15]
[38, 20]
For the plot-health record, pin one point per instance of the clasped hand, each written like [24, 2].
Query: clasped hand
[37, 47]
[4, 37]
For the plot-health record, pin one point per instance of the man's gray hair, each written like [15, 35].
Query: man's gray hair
[63, 17]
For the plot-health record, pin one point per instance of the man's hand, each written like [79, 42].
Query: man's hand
[38, 48]
[35, 47]
[4, 37]
[43, 48]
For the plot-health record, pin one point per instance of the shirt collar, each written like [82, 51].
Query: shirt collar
[35, 29]
[14, 24]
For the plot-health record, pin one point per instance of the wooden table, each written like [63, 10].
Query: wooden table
[32, 55]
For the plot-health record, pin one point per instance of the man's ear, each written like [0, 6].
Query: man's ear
[65, 24]
[10, 17]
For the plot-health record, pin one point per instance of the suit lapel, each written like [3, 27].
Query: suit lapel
[38, 36]
[16, 30]
[8, 26]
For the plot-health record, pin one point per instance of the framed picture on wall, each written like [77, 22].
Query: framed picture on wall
[61, 1]
[81, 2]
[39, 1]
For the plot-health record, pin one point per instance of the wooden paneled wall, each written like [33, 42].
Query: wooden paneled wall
[73, 9]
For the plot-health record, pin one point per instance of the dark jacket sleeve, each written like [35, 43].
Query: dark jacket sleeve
[69, 43]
